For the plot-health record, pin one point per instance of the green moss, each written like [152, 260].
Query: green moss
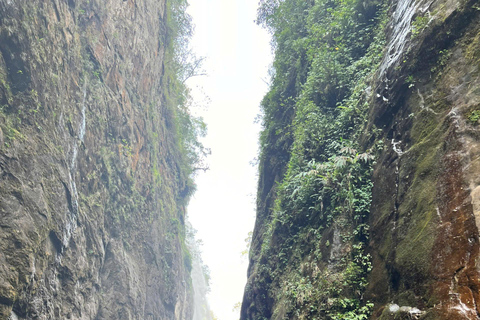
[382, 213]
[474, 116]
[419, 24]
[387, 244]
[417, 212]
[410, 252]
[472, 52]
[406, 298]
[424, 125]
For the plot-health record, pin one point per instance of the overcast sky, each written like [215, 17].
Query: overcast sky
[237, 55]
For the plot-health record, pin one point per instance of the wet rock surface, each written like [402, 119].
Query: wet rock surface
[424, 236]
[424, 217]
[91, 219]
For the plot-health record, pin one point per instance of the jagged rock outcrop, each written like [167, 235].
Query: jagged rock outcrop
[414, 254]
[92, 183]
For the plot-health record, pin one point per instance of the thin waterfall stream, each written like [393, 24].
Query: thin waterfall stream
[72, 216]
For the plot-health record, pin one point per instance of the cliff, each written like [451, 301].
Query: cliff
[368, 196]
[96, 158]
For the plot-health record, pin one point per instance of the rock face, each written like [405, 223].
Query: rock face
[92, 184]
[426, 250]
[421, 247]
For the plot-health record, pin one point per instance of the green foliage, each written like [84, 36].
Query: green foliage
[410, 81]
[442, 58]
[474, 116]
[177, 100]
[187, 260]
[126, 148]
[419, 24]
[325, 53]
[9, 129]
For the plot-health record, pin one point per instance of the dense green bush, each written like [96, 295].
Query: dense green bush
[315, 111]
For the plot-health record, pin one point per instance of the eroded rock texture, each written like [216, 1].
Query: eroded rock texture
[425, 239]
[423, 102]
[91, 214]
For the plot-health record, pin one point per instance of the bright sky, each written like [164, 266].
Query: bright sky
[223, 208]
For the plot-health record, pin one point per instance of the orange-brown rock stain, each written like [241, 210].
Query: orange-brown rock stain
[456, 249]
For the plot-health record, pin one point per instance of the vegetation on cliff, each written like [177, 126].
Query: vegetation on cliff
[314, 115]
[357, 111]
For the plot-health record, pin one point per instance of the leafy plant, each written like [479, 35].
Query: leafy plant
[474, 116]
[419, 24]
[410, 81]
[178, 67]
[313, 115]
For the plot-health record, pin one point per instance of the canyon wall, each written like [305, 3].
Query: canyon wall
[368, 197]
[94, 180]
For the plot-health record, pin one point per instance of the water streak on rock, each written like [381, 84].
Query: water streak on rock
[400, 34]
[13, 316]
[72, 216]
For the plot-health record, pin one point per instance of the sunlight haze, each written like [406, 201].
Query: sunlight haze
[223, 209]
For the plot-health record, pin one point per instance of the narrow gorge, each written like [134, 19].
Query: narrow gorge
[368, 202]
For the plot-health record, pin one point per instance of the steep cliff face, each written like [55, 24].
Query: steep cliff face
[93, 174]
[368, 195]
[423, 218]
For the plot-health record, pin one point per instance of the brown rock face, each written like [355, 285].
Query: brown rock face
[423, 105]
[91, 212]
[425, 239]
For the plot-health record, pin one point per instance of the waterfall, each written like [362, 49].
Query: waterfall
[401, 30]
[396, 147]
[72, 216]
